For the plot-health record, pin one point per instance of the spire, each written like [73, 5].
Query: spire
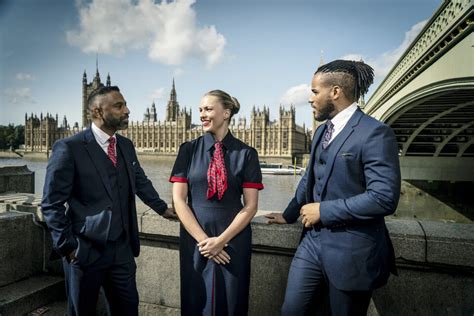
[96, 64]
[173, 92]
[97, 75]
[108, 80]
[84, 77]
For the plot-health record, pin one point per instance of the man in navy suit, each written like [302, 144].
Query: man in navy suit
[351, 183]
[89, 206]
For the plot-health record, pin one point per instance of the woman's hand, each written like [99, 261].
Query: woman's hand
[213, 247]
[222, 257]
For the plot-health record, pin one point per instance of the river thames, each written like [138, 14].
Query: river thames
[279, 189]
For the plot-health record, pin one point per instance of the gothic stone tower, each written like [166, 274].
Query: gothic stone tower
[172, 109]
[87, 89]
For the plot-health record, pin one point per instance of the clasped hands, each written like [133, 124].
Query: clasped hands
[310, 216]
[213, 248]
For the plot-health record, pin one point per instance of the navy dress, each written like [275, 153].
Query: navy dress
[208, 288]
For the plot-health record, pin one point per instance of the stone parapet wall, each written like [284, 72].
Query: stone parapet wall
[17, 179]
[434, 260]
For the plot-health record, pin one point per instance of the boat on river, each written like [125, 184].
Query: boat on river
[280, 169]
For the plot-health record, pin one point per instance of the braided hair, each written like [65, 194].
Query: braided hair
[361, 76]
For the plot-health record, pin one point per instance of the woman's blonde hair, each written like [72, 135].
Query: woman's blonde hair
[227, 101]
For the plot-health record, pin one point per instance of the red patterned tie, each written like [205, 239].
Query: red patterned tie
[217, 173]
[111, 151]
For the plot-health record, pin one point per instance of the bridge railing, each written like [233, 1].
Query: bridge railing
[451, 22]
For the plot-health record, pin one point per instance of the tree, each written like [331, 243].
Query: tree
[11, 137]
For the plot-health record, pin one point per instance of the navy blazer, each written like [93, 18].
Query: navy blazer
[76, 177]
[360, 187]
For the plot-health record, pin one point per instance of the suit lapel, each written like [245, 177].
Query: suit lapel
[337, 143]
[121, 145]
[97, 156]
[309, 185]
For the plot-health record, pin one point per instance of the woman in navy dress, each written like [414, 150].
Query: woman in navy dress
[212, 173]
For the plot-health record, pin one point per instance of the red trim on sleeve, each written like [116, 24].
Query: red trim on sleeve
[178, 179]
[252, 185]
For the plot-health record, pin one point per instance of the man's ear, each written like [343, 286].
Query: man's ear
[336, 92]
[96, 110]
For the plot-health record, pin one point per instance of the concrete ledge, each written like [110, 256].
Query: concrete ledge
[408, 240]
[430, 256]
[24, 296]
[417, 241]
[20, 247]
[449, 243]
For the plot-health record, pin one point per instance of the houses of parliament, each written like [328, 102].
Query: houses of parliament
[282, 139]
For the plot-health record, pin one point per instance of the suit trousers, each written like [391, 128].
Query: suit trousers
[308, 284]
[114, 271]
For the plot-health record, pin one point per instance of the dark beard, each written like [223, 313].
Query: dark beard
[325, 114]
[115, 124]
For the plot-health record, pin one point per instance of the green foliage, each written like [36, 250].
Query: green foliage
[11, 137]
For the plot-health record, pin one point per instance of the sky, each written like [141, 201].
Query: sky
[263, 52]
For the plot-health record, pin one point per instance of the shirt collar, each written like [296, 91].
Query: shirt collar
[341, 118]
[100, 136]
[209, 140]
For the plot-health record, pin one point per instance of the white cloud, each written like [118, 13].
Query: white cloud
[18, 95]
[22, 76]
[157, 94]
[297, 95]
[383, 64]
[169, 30]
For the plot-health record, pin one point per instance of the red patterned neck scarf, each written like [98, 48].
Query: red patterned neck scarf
[217, 173]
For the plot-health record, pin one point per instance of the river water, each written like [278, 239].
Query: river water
[276, 195]
[279, 189]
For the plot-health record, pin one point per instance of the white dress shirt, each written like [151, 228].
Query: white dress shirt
[341, 119]
[102, 138]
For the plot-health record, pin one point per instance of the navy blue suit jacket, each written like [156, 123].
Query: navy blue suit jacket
[360, 187]
[77, 197]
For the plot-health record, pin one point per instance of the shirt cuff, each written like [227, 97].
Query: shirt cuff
[253, 185]
[178, 179]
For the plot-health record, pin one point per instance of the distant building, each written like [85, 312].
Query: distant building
[41, 132]
[282, 139]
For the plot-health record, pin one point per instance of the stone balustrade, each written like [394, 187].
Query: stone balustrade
[434, 260]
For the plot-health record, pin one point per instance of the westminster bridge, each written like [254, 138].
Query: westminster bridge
[428, 98]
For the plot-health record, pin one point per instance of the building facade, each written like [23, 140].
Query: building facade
[279, 139]
[41, 132]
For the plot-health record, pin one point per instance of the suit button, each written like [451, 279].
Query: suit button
[318, 193]
[320, 161]
[319, 178]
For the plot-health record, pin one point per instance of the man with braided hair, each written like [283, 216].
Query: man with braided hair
[351, 183]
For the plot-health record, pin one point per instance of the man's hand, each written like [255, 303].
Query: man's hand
[170, 214]
[276, 218]
[310, 214]
[72, 256]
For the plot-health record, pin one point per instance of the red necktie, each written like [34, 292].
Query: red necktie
[111, 151]
[217, 173]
